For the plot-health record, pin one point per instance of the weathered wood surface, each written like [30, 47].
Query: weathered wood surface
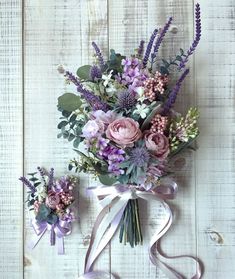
[60, 32]
[11, 141]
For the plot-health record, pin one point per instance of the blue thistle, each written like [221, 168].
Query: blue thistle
[196, 39]
[139, 157]
[173, 94]
[94, 101]
[149, 47]
[27, 183]
[126, 99]
[160, 39]
[95, 73]
[99, 55]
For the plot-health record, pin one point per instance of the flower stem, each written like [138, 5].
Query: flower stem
[130, 230]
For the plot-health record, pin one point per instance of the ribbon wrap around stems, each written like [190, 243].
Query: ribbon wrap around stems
[57, 233]
[114, 200]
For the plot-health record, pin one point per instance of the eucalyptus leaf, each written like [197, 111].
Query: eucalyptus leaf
[107, 180]
[76, 142]
[52, 219]
[72, 117]
[62, 124]
[71, 137]
[69, 102]
[164, 70]
[32, 173]
[43, 213]
[84, 72]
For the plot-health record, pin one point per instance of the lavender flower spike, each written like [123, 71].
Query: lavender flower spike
[140, 48]
[94, 101]
[149, 47]
[173, 94]
[51, 178]
[99, 55]
[196, 39]
[27, 183]
[160, 39]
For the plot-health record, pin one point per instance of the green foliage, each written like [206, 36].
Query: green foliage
[165, 67]
[84, 72]
[52, 219]
[90, 164]
[46, 215]
[69, 102]
[107, 180]
[35, 181]
[115, 61]
[43, 213]
[71, 126]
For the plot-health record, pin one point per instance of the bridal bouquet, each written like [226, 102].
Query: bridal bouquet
[122, 114]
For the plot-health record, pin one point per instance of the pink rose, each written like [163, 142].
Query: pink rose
[158, 144]
[124, 131]
[52, 200]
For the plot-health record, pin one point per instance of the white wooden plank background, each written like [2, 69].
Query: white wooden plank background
[58, 32]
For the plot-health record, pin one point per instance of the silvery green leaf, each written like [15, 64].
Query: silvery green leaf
[84, 72]
[69, 102]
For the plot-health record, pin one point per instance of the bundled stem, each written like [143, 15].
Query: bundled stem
[130, 230]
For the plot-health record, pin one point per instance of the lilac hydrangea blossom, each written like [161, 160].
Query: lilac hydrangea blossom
[105, 117]
[133, 75]
[92, 129]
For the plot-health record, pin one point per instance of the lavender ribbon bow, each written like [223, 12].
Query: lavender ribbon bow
[114, 201]
[57, 233]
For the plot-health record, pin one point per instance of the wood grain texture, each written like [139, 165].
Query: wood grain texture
[215, 172]
[61, 32]
[57, 32]
[11, 141]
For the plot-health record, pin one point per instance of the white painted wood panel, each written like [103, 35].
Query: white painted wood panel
[11, 141]
[60, 32]
[215, 172]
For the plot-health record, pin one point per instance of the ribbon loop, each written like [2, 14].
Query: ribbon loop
[57, 233]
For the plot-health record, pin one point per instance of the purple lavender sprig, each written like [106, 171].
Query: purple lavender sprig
[197, 37]
[173, 94]
[140, 50]
[94, 101]
[42, 173]
[51, 178]
[99, 55]
[160, 39]
[149, 47]
[27, 183]
[95, 72]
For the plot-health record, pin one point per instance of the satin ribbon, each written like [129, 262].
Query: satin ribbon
[114, 200]
[57, 233]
